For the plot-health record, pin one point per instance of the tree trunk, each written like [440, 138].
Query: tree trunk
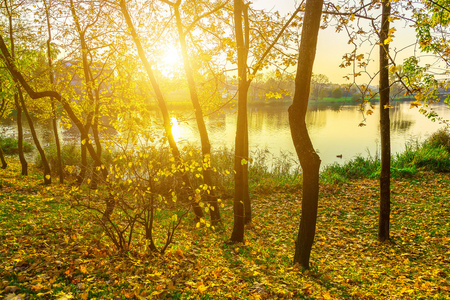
[52, 100]
[241, 204]
[309, 160]
[206, 146]
[47, 172]
[22, 158]
[2, 158]
[161, 103]
[385, 175]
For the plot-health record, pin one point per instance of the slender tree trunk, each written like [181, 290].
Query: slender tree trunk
[47, 172]
[22, 158]
[206, 146]
[161, 102]
[309, 160]
[89, 91]
[2, 110]
[52, 100]
[2, 158]
[98, 145]
[241, 204]
[385, 175]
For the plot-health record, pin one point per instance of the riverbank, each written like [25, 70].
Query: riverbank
[50, 249]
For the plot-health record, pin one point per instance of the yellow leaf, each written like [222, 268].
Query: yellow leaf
[201, 288]
[244, 161]
[415, 104]
[369, 112]
[47, 176]
[83, 269]
[388, 40]
[387, 106]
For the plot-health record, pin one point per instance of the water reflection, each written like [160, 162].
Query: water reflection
[333, 128]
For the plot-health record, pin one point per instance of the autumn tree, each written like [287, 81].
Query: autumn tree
[47, 7]
[385, 174]
[318, 83]
[245, 74]
[160, 100]
[204, 138]
[23, 161]
[309, 160]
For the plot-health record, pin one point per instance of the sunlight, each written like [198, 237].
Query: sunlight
[171, 61]
[176, 129]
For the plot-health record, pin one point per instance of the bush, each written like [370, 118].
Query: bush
[11, 146]
[440, 138]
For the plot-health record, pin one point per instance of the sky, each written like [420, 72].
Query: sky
[332, 46]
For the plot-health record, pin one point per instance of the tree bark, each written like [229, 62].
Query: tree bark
[385, 175]
[52, 100]
[241, 204]
[204, 139]
[161, 103]
[309, 160]
[47, 172]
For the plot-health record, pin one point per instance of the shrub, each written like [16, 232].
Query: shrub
[440, 138]
[11, 146]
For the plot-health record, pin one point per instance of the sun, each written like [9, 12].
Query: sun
[171, 61]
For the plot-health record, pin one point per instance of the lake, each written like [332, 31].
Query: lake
[334, 129]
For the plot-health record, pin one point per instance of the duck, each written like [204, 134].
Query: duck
[339, 156]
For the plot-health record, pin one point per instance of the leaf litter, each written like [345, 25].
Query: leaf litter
[48, 250]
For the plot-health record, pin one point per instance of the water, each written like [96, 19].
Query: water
[334, 130]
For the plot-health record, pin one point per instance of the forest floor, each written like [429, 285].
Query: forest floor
[50, 251]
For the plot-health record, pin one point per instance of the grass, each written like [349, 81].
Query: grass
[50, 250]
[10, 146]
[432, 155]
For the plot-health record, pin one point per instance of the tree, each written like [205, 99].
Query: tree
[318, 83]
[204, 138]
[47, 6]
[385, 175]
[241, 203]
[19, 78]
[309, 160]
[337, 92]
[160, 99]
[23, 161]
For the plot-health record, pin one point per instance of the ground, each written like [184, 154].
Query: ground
[49, 250]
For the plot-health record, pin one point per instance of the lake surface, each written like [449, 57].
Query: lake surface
[334, 130]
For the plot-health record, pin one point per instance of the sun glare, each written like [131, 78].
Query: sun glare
[171, 61]
[176, 129]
